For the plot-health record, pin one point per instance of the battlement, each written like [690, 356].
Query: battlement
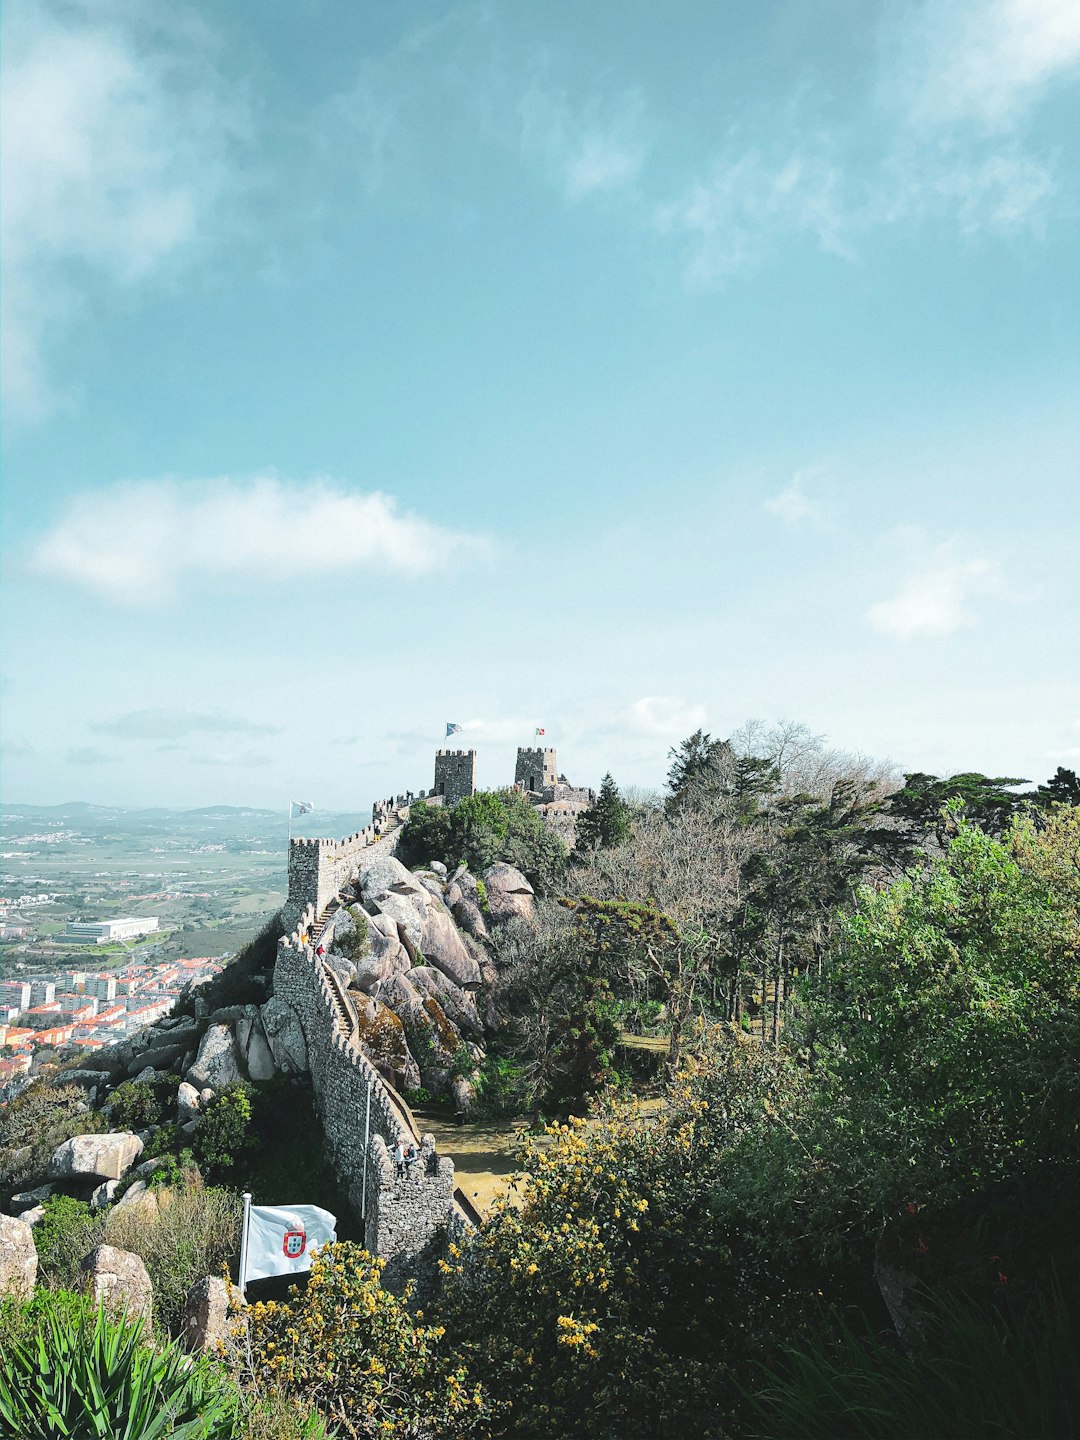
[455, 775]
[537, 768]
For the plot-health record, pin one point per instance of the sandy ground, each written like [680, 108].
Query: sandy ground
[483, 1153]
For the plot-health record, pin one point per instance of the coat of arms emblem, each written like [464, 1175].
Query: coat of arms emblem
[294, 1244]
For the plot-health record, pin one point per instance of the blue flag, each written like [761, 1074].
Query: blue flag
[451, 728]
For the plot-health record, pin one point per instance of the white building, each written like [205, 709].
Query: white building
[101, 932]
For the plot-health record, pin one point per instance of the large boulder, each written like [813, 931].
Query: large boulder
[188, 1103]
[18, 1257]
[407, 911]
[388, 873]
[260, 1058]
[217, 1063]
[435, 1041]
[88, 1079]
[371, 972]
[509, 894]
[27, 1198]
[444, 948]
[382, 1038]
[95, 1157]
[118, 1280]
[204, 1324]
[104, 1195]
[458, 1004]
[158, 1057]
[285, 1036]
[470, 917]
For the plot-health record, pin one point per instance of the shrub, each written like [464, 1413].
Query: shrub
[224, 1131]
[76, 1371]
[138, 1103]
[349, 1347]
[34, 1124]
[64, 1236]
[482, 829]
[194, 1232]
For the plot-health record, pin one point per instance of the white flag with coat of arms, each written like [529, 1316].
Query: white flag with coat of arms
[281, 1238]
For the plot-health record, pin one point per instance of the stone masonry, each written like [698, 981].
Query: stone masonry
[536, 769]
[407, 1219]
[455, 774]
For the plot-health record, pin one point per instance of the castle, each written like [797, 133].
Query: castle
[319, 868]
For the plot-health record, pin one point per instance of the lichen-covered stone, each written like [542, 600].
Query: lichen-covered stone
[118, 1279]
[18, 1257]
[101, 1157]
[217, 1063]
[382, 1036]
[285, 1036]
[459, 1004]
[444, 948]
[509, 894]
[204, 1324]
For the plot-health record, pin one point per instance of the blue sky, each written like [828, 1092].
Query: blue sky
[615, 369]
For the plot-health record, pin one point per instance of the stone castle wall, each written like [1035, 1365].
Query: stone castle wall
[406, 1219]
[455, 775]
[536, 768]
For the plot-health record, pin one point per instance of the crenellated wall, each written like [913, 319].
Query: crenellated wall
[406, 1219]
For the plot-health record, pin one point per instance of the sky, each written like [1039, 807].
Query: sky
[613, 370]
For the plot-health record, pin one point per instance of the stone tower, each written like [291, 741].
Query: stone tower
[536, 770]
[455, 774]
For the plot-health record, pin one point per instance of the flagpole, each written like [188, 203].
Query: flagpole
[290, 822]
[244, 1245]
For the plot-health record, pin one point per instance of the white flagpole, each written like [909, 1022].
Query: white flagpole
[244, 1245]
[290, 822]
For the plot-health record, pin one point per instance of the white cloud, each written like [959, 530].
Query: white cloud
[751, 200]
[987, 63]
[140, 542]
[117, 141]
[665, 717]
[793, 505]
[937, 598]
[586, 148]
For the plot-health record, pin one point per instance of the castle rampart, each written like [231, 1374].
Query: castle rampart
[406, 1218]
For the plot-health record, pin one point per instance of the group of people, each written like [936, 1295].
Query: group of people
[405, 1158]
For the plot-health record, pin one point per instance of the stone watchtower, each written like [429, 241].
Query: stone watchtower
[455, 774]
[536, 770]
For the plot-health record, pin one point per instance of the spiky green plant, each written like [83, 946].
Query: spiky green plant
[98, 1379]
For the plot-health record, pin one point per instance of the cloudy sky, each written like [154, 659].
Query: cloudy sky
[613, 368]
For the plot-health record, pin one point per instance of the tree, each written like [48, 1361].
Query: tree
[482, 829]
[606, 823]
[988, 803]
[698, 766]
[1063, 788]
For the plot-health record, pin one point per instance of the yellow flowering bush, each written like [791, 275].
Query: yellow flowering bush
[353, 1351]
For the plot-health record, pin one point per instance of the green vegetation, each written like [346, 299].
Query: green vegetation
[604, 824]
[68, 1370]
[383, 1373]
[482, 829]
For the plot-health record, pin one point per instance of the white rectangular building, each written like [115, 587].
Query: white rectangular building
[101, 932]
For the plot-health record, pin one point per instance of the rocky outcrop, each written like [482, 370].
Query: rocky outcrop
[434, 1041]
[118, 1280]
[285, 1036]
[204, 1324]
[18, 1257]
[95, 1157]
[382, 1036]
[188, 1103]
[458, 1004]
[509, 894]
[158, 1057]
[444, 948]
[217, 1063]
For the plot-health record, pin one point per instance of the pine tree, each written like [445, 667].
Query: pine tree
[605, 824]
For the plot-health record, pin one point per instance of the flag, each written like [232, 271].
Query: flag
[301, 806]
[279, 1239]
[539, 730]
[451, 728]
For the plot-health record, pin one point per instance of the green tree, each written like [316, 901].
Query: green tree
[607, 822]
[699, 765]
[482, 829]
[1063, 788]
[920, 804]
